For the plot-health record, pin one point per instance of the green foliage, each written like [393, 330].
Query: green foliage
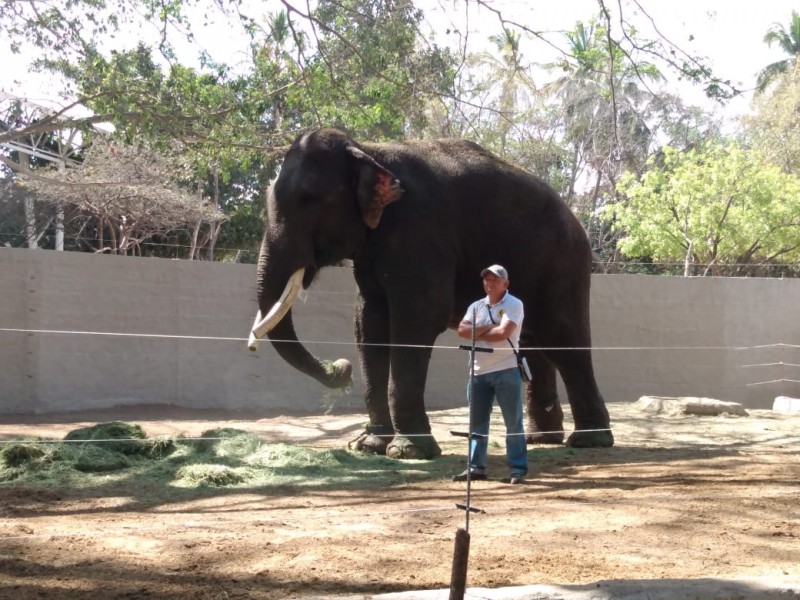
[788, 39]
[363, 72]
[368, 74]
[366, 66]
[774, 128]
[715, 206]
[200, 110]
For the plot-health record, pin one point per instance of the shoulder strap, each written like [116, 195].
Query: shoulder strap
[489, 310]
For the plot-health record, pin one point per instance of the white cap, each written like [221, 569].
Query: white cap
[497, 270]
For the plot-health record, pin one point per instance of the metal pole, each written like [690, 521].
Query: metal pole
[458, 575]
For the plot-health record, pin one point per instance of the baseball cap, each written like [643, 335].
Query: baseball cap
[497, 270]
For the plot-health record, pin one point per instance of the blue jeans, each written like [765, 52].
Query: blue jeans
[506, 387]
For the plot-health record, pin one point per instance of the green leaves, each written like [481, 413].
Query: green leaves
[788, 39]
[721, 205]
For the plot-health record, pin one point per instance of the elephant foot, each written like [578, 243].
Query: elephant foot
[545, 438]
[546, 425]
[591, 439]
[420, 448]
[373, 440]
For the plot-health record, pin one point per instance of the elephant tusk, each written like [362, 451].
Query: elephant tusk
[252, 342]
[279, 309]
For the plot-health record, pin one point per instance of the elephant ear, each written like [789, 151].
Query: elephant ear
[377, 187]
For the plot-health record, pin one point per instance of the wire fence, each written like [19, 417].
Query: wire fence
[778, 345]
[249, 254]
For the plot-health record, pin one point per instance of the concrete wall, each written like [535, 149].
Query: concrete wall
[653, 335]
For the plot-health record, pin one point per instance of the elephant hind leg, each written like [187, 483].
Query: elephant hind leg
[566, 335]
[592, 422]
[545, 416]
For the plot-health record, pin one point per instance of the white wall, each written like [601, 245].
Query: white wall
[653, 335]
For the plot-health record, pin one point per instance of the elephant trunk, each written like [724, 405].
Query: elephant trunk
[274, 319]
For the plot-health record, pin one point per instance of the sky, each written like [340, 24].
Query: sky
[728, 32]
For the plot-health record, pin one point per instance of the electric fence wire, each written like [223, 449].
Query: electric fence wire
[426, 346]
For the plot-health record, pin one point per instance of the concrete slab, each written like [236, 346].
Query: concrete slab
[690, 405]
[786, 405]
[761, 588]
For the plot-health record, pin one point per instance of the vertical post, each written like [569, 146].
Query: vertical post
[458, 576]
[469, 412]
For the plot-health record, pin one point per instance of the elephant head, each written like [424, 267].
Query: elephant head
[328, 195]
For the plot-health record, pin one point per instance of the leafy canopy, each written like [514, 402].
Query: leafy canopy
[721, 205]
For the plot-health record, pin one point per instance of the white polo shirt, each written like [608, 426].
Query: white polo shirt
[510, 308]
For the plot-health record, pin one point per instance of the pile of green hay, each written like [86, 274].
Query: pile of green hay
[220, 458]
[121, 438]
[102, 448]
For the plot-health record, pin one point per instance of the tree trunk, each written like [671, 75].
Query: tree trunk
[101, 224]
[59, 227]
[60, 214]
[687, 263]
[215, 225]
[30, 207]
[193, 247]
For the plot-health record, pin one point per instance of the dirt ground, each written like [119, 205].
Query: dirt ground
[678, 497]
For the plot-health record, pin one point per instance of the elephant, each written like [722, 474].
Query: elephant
[419, 221]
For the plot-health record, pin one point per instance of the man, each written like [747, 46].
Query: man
[497, 320]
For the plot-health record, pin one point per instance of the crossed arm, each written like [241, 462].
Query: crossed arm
[487, 333]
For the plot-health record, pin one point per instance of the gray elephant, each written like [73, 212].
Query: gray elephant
[419, 220]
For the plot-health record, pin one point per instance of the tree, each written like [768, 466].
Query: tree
[774, 127]
[721, 209]
[30, 153]
[499, 106]
[364, 65]
[609, 118]
[125, 195]
[355, 64]
[604, 106]
[365, 68]
[788, 39]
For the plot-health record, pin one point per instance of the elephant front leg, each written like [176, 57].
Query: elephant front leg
[372, 335]
[413, 438]
[545, 415]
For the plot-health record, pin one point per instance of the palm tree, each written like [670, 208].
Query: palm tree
[789, 42]
[602, 102]
[507, 73]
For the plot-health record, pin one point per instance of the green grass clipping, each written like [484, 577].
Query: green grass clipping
[223, 458]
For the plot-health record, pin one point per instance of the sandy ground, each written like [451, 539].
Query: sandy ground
[679, 498]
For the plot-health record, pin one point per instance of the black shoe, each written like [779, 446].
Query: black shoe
[474, 476]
